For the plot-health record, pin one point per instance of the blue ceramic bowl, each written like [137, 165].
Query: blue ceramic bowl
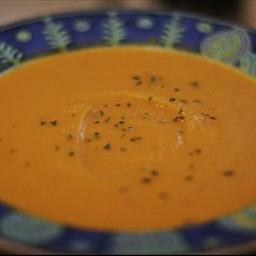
[227, 43]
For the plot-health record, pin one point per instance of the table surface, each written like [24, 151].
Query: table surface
[15, 10]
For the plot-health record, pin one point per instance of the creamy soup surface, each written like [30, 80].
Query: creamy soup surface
[127, 139]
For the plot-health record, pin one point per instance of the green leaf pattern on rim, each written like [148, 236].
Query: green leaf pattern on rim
[9, 54]
[172, 33]
[248, 64]
[56, 35]
[114, 30]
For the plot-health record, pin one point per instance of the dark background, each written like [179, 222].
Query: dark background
[227, 9]
[239, 11]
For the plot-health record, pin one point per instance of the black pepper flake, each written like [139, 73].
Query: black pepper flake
[179, 118]
[118, 105]
[97, 122]
[197, 101]
[129, 105]
[150, 98]
[156, 80]
[137, 80]
[229, 173]
[172, 99]
[12, 151]
[180, 111]
[57, 148]
[43, 123]
[189, 178]
[97, 135]
[108, 147]
[209, 116]
[176, 89]
[153, 79]
[54, 123]
[155, 173]
[73, 115]
[146, 180]
[163, 196]
[102, 113]
[195, 84]
[121, 122]
[116, 125]
[198, 151]
[108, 120]
[70, 137]
[71, 153]
[135, 139]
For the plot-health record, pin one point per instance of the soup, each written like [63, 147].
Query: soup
[127, 139]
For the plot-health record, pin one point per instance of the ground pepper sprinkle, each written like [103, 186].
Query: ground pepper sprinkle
[137, 80]
[229, 173]
[108, 120]
[54, 123]
[71, 153]
[70, 137]
[198, 151]
[195, 84]
[189, 178]
[12, 151]
[108, 147]
[97, 135]
[146, 180]
[57, 148]
[155, 173]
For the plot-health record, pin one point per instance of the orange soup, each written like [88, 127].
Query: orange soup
[127, 139]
